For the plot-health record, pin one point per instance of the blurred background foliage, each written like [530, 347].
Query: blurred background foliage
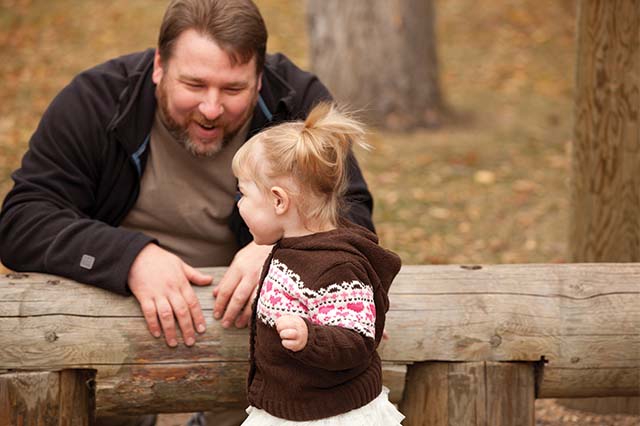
[489, 188]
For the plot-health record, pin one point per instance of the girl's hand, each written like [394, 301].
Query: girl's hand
[293, 332]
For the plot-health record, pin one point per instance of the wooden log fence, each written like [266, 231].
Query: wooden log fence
[478, 345]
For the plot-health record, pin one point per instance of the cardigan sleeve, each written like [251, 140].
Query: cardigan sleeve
[341, 321]
[334, 348]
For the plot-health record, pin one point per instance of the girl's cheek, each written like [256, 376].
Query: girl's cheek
[241, 209]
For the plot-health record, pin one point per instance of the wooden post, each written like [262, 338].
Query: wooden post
[605, 226]
[61, 398]
[470, 394]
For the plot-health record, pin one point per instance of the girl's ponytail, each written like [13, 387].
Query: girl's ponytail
[311, 155]
[322, 151]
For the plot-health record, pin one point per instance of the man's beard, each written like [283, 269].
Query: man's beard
[180, 133]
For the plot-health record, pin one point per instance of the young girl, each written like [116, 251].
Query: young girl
[322, 298]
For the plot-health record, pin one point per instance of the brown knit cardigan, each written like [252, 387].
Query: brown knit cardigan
[338, 282]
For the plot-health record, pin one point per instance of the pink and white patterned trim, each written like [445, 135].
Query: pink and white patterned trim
[347, 304]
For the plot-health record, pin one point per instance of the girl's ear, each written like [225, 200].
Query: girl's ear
[281, 200]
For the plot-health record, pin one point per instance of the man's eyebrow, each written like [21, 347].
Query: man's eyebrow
[190, 78]
[236, 83]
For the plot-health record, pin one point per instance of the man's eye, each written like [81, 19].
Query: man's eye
[194, 85]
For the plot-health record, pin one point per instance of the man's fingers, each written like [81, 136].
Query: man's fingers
[151, 317]
[160, 281]
[238, 283]
[238, 300]
[165, 313]
[245, 317]
[183, 315]
[196, 277]
[194, 308]
[193, 304]
[224, 290]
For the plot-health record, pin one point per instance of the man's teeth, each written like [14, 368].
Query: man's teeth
[208, 127]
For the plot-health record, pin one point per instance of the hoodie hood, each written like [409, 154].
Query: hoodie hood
[355, 244]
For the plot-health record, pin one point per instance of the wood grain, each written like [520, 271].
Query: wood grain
[61, 398]
[583, 319]
[605, 225]
[470, 394]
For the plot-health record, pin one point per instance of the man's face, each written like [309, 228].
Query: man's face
[204, 100]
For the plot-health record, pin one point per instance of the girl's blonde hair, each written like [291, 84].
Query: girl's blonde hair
[309, 159]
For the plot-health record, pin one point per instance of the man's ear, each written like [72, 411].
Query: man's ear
[281, 200]
[158, 70]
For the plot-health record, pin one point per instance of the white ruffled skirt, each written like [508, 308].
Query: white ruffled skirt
[379, 412]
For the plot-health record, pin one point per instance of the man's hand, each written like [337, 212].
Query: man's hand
[237, 287]
[293, 332]
[161, 283]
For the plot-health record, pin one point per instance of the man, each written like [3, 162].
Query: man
[127, 182]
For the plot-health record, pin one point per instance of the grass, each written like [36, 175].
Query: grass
[494, 188]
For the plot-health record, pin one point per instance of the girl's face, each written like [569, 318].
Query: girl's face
[259, 213]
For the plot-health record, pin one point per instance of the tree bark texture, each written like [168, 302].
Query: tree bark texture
[606, 152]
[379, 57]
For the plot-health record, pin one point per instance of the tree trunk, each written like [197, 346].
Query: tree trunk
[379, 57]
[606, 153]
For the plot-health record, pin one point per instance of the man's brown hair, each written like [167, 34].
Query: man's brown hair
[235, 25]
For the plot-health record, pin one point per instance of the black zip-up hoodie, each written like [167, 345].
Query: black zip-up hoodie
[81, 174]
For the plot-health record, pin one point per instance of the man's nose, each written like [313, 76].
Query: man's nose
[211, 106]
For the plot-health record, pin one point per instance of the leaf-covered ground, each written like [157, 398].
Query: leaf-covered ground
[491, 188]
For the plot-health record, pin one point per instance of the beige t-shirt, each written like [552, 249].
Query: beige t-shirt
[185, 201]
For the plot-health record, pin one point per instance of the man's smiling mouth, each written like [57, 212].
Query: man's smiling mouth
[207, 126]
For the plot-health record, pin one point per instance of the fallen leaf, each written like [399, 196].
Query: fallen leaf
[484, 177]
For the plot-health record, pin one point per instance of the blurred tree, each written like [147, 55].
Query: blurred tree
[605, 225]
[379, 57]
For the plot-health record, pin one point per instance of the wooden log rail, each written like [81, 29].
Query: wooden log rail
[479, 342]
